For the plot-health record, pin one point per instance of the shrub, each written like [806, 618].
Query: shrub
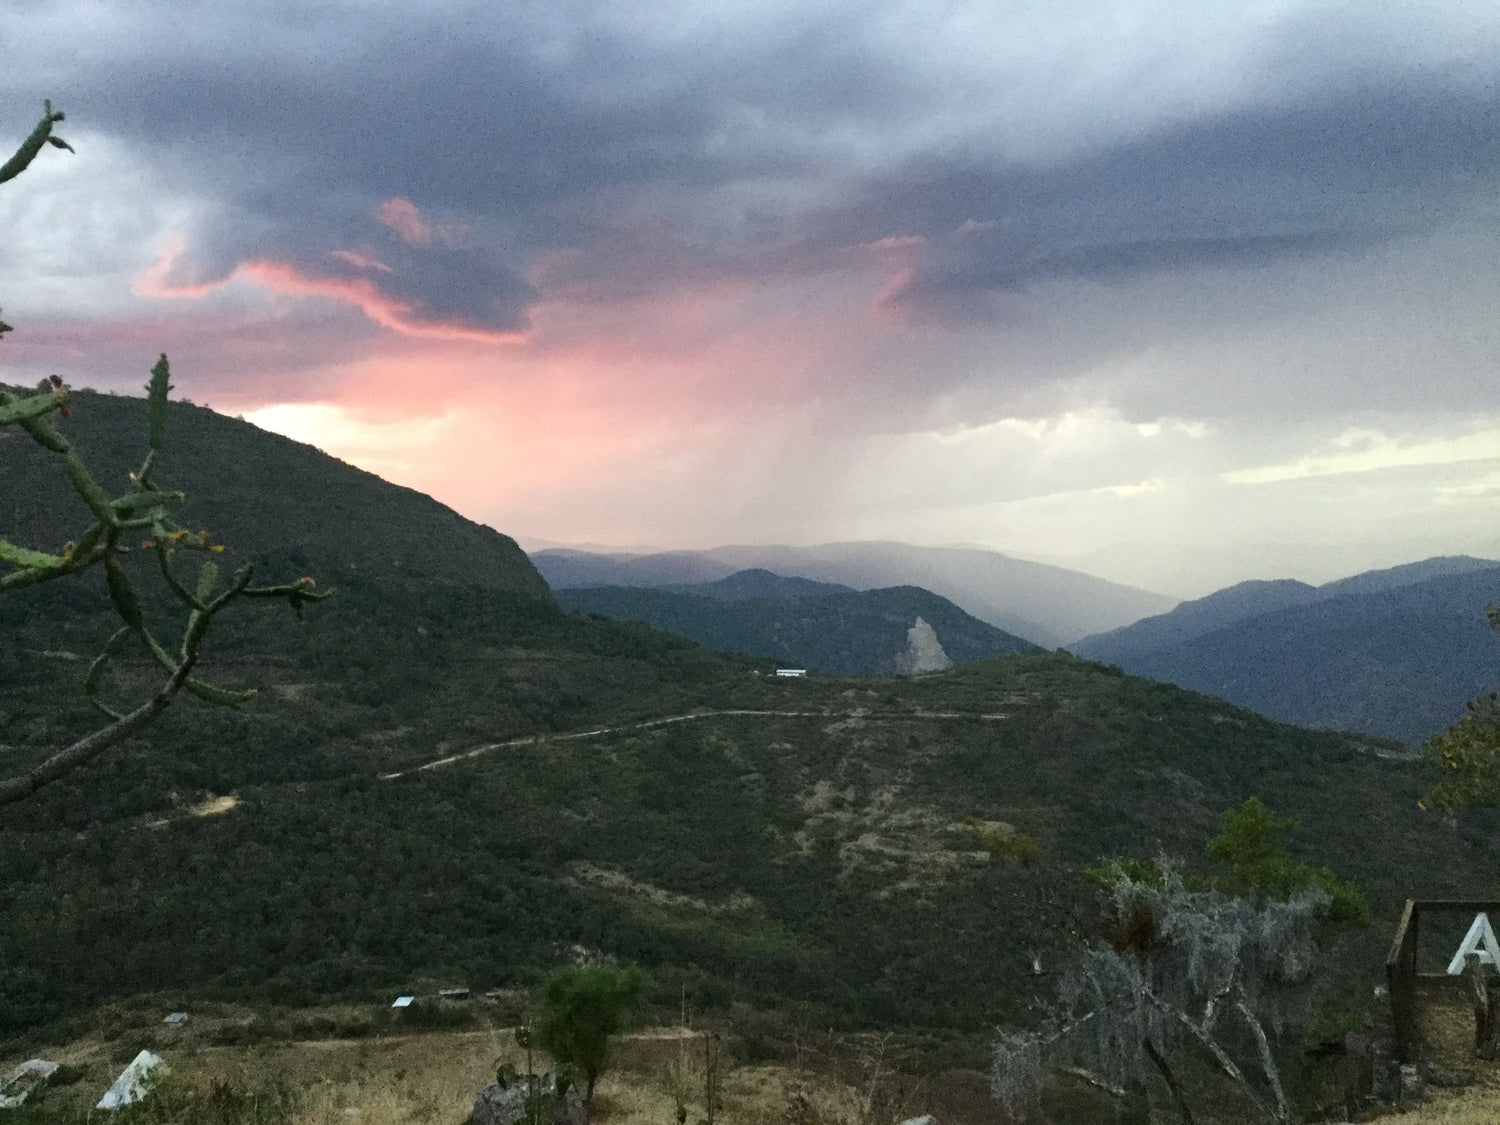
[582, 1007]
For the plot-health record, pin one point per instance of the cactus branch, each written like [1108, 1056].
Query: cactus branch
[125, 724]
[143, 506]
[20, 556]
[91, 746]
[97, 670]
[14, 411]
[192, 636]
[298, 594]
[156, 410]
[41, 135]
[164, 564]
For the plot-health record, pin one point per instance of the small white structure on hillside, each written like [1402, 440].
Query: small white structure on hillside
[403, 1002]
[1480, 935]
[791, 673]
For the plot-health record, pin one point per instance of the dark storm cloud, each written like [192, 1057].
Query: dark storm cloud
[625, 161]
[467, 122]
[1243, 189]
[302, 149]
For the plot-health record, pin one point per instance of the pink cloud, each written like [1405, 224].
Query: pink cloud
[403, 217]
[411, 226]
[361, 261]
[613, 412]
[897, 282]
[899, 256]
[155, 281]
[385, 310]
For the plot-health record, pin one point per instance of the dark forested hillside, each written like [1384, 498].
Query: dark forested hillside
[1393, 653]
[827, 628]
[798, 844]
[265, 495]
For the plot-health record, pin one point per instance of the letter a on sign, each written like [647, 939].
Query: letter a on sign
[1479, 935]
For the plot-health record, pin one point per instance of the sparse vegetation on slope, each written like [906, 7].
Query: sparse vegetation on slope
[815, 854]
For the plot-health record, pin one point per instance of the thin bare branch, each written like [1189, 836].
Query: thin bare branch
[1267, 1061]
[1098, 1081]
[1221, 1056]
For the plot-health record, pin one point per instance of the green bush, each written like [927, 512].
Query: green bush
[1004, 844]
[582, 1007]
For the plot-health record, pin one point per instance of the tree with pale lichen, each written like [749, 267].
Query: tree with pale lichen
[143, 510]
[1218, 968]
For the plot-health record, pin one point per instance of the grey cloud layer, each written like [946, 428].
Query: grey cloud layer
[628, 157]
[1344, 173]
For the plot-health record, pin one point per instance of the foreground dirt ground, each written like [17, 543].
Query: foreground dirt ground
[384, 1074]
[356, 1065]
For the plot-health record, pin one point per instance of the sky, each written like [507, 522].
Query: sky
[1174, 293]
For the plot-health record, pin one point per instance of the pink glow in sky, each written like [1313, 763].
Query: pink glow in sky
[1176, 296]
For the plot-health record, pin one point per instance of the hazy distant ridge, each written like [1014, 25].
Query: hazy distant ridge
[1046, 604]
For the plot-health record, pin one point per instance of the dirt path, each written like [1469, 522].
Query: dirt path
[647, 724]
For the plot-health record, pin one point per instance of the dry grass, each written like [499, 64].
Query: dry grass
[1476, 1105]
[421, 1079]
[432, 1078]
[214, 806]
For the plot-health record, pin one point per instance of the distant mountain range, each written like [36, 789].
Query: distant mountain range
[1394, 652]
[1389, 652]
[1045, 604]
[818, 625]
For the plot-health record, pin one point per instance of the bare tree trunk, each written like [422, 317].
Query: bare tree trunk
[1267, 1062]
[1171, 1080]
[1226, 1064]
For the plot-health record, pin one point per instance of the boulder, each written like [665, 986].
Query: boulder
[135, 1083]
[506, 1105]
